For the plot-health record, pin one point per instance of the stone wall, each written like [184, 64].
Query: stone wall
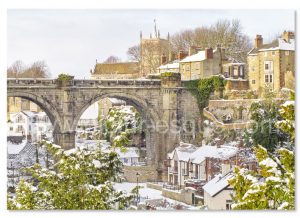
[238, 109]
[147, 173]
[236, 84]
[154, 186]
[183, 195]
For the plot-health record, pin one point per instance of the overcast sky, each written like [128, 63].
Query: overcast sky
[70, 41]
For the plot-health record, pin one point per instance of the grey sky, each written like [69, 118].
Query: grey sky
[71, 40]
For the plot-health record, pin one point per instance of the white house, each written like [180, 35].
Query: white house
[130, 157]
[178, 169]
[217, 192]
[31, 125]
[188, 162]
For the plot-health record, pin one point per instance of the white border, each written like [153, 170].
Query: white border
[126, 4]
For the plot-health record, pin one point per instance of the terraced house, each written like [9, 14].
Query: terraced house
[272, 66]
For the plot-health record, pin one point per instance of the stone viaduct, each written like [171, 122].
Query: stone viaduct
[167, 108]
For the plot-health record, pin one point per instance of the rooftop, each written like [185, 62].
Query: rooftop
[200, 56]
[217, 184]
[278, 44]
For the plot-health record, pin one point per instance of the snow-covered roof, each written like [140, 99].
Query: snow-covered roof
[279, 44]
[173, 65]
[183, 151]
[189, 152]
[29, 113]
[217, 184]
[201, 153]
[200, 56]
[15, 148]
[223, 152]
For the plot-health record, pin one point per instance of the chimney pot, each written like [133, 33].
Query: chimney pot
[287, 35]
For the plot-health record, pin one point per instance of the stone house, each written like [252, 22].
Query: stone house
[235, 75]
[272, 66]
[203, 64]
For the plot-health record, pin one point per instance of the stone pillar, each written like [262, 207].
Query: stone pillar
[65, 134]
[65, 139]
[169, 132]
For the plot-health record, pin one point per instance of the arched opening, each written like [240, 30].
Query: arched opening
[30, 119]
[139, 122]
[39, 114]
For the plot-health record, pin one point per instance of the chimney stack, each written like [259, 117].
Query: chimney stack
[209, 53]
[258, 41]
[163, 59]
[287, 35]
[225, 167]
[181, 55]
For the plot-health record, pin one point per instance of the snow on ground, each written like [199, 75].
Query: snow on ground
[144, 192]
[148, 193]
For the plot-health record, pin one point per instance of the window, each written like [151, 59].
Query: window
[287, 53]
[235, 71]
[273, 53]
[187, 67]
[266, 78]
[266, 66]
[40, 128]
[20, 128]
[253, 81]
[29, 127]
[11, 128]
[20, 119]
[228, 204]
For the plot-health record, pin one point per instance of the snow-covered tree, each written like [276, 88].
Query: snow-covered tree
[273, 185]
[80, 179]
[264, 115]
[121, 123]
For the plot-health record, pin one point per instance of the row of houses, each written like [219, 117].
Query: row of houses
[269, 65]
[206, 171]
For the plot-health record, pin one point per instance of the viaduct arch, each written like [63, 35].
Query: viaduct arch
[165, 105]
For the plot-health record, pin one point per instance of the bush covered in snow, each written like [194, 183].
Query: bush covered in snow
[273, 186]
[82, 179]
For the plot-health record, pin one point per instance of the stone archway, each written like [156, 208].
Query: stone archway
[149, 116]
